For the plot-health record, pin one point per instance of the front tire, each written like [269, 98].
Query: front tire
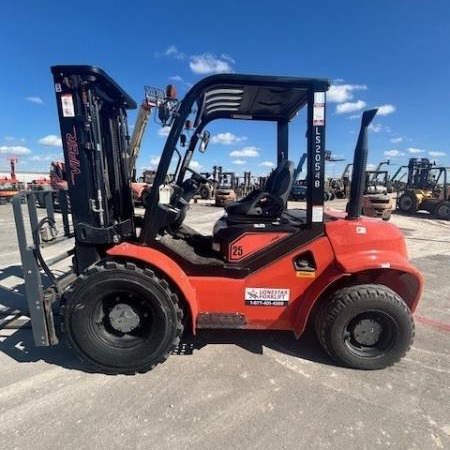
[204, 192]
[407, 203]
[366, 327]
[442, 210]
[122, 319]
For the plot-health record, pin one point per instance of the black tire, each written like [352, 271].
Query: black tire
[121, 318]
[144, 197]
[407, 203]
[204, 192]
[442, 210]
[366, 327]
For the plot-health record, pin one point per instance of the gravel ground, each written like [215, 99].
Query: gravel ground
[252, 390]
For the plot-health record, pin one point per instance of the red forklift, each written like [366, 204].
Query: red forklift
[9, 187]
[136, 283]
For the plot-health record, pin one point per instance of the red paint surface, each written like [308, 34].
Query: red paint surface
[441, 326]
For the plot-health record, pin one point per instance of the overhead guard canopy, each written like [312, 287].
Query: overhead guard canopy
[254, 97]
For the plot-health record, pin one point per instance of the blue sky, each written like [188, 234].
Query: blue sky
[394, 54]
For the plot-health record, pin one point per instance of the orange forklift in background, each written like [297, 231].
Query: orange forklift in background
[136, 283]
[9, 187]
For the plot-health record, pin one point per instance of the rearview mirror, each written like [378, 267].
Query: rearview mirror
[164, 113]
[204, 141]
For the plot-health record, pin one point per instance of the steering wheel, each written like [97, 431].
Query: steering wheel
[184, 195]
[197, 177]
[436, 190]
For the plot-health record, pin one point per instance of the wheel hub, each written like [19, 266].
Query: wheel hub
[124, 318]
[367, 332]
[406, 203]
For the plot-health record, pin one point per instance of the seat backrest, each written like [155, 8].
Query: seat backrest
[280, 182]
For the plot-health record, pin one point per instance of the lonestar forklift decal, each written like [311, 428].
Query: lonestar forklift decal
[267, 297]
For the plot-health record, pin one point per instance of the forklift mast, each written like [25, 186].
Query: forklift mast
[13, 162]
[93, 121]
[419, 173]
[300, 165]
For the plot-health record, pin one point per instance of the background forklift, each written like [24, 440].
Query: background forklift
[427, 188]
[136, 283]
[376, 199]
[9, 187]
[226, 187]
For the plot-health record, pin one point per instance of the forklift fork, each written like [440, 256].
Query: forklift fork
[40, 300]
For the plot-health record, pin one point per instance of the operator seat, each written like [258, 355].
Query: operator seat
[268, 204]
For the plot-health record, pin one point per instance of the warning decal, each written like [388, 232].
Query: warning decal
[266, 297]
[319, 109]
[67, 106]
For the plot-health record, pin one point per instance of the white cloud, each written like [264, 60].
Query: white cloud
[14, 150]
[164, 131]
[227, 58]
[195, 165]
[51, 141]
[226, 139]
[246, 152]
[348, 107]
[173, 51]
[208, 64]
[267, 164]
[432, 153]
[176, 78]
[37, 100]
[14, 139]
[396, 140]
[154, 161]
[384, 110]
[339, 93]
[354, 116]
[393, 153]
[375, 127]
[239, 162]
[371, 167]
[378, 128]
[415, 150]
[52, 157]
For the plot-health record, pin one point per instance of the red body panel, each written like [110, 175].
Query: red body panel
[137, 190]
[350, 247]
[220, 294]
[366, 244]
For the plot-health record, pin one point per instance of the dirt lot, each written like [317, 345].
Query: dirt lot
[246, 390]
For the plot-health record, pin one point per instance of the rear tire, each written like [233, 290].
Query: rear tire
[442, 210]
[205, 192]
[366, 327]
[122, 319]
[407, 203]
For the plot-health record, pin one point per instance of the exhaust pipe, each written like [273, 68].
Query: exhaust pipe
[359, 166]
